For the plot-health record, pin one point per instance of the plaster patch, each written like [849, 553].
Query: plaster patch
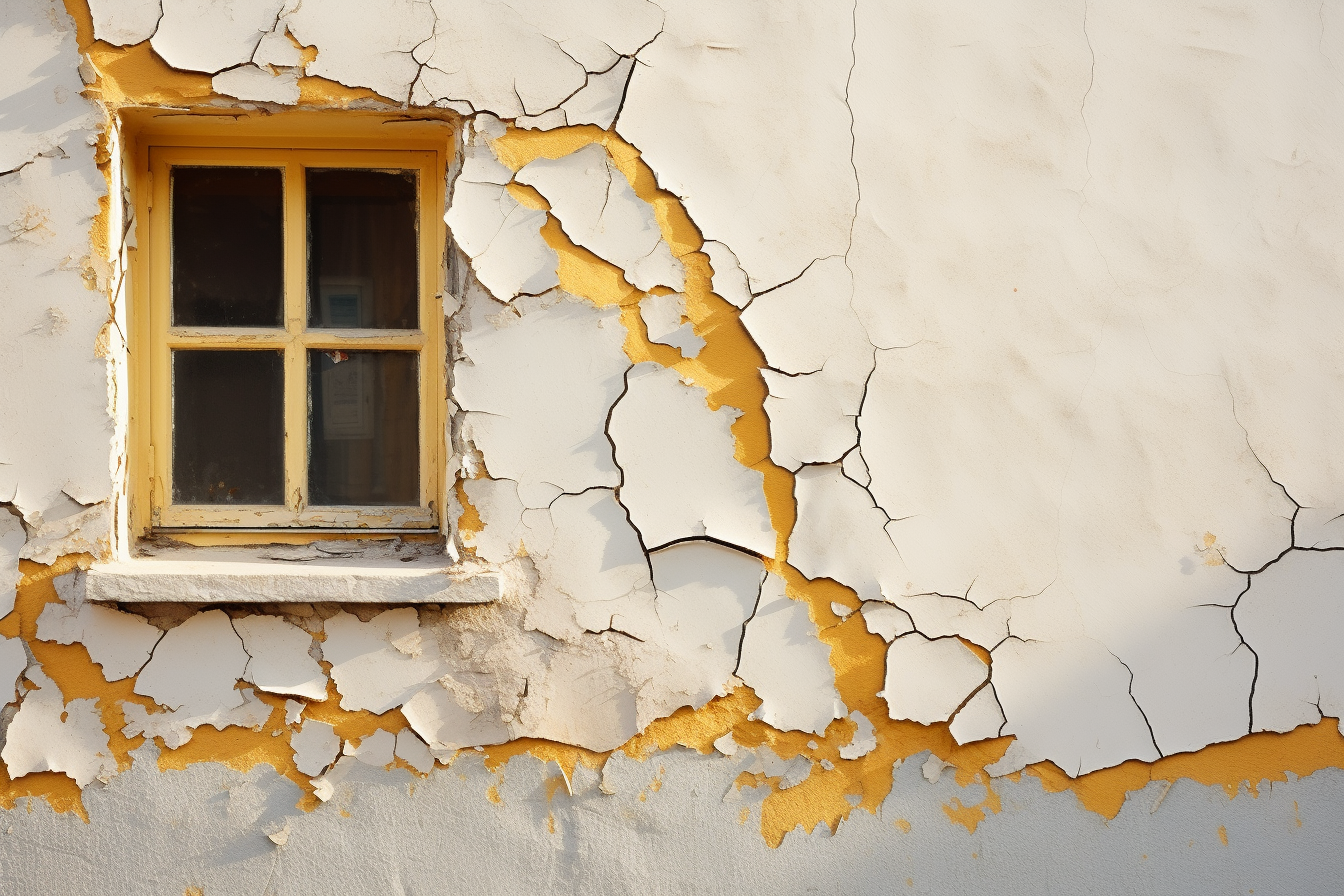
[787, 666]
[124, 22]
[840, 534]
[12, 537]
[379, 664]
[665, 320]
[599, 210]
[436, 714]
[1069, 702]
[536, 384]
[212, 35]
[980, 719]
[13, 660]
[249, 82]
[51, 734]
[316, 746]
[864, 740]
[1290, 617]
[927, 680]
[885, 620]
[682, 479]
[278, 659]
[362, 50]
[501, 238]
[196, 666]
[120, 643]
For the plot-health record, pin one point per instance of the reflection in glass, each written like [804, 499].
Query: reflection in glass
[362, 249]
[363, 428]
[228, 247]
[228, 427]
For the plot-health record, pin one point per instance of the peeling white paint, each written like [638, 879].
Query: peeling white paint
[51, 734]
[927, 680]
[316, 746]
[120, 643]
[278, 659]
[599, 210]
[681, 478]
[787, 667]
[196, 666]
[379, 664]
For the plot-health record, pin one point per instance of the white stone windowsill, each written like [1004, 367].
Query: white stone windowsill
[204, 576]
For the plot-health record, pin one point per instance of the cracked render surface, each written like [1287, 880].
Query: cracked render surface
[1035, 368]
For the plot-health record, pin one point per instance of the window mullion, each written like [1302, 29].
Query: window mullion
[296, 361]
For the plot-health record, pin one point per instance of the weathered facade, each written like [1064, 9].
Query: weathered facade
[872, 446]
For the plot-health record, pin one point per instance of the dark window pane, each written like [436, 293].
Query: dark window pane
[228, 427]
[228, 247]
[364, 424]
[362, 249]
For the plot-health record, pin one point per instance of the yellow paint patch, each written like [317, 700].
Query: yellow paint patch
[902, 825]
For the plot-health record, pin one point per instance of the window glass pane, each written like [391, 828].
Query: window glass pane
[228, 247]
[362, 249]
[228, 427]
[364, 425]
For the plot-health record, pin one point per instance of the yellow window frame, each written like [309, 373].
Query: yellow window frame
[157, 338]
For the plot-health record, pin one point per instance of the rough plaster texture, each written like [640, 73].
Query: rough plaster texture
[1046, 300]
[225, 836]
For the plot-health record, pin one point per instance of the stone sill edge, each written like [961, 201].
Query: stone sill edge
[197, 582]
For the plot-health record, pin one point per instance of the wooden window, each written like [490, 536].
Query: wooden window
[293, 336]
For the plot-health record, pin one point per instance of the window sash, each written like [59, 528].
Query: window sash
[295, 340]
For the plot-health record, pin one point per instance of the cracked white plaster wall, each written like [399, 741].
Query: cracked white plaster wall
[50, 316]
[379, 664]
[120, 643]
[536, 382]
[502, 239]
[705, 106]
[681, 478]
[598, 209]
[278, 658]
[928, 680]
[1105, 383]
[50, 733]
[124, 22]
[212, 35]
[787, 665]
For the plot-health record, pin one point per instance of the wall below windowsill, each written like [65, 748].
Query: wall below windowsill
[228, 576]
